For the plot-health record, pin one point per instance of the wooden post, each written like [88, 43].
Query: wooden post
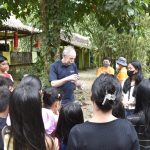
[31, 42]
[81, 59]
[15, 40]
[87, 58]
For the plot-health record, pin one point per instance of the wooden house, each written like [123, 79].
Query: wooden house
[83, 48]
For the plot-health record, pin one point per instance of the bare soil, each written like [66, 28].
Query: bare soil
[84, 95]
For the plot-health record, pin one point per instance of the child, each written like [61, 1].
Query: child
[70, 115]
[4, 104]
[50, 112]
[7, 82]
[4, 67]
[27, 128]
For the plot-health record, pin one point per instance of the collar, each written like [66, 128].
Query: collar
[62, 64]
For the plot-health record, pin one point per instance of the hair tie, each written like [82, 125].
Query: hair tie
[58, 95]
[109, 97]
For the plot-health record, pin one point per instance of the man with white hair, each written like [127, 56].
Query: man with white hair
[64, 75]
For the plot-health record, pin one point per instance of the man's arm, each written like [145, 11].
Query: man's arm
[60, 82]
[53, 77]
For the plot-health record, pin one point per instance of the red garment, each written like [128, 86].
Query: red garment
[7, 75]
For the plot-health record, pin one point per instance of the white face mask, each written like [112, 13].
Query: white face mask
[117, 66]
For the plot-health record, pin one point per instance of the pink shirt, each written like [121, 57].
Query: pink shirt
[49, 120]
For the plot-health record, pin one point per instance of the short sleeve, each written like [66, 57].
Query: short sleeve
[73, 139]
[135, 140]
[121, 76]
[99, 71]
[48, 120]
[53, 72]
[112, 71]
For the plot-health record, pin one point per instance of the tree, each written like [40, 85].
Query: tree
[109, 43]
[55, 15]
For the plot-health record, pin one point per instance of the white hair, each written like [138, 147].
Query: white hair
[68, 50]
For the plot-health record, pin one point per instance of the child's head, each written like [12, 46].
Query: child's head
[52, 97]
[3, 64]
[70, 115]
[6, 82]
[10, 84]
[4, 99]
[3, 81]
[32, 80]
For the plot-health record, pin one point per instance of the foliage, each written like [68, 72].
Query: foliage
[107, 15]
[25, 44]
[20, 8]
[109, 43]
[56, 14]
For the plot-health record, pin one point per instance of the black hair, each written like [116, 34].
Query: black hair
[106, 84]
[106, 58]
[70, 115]
[3, 81]
[2, 58]
[119, 110]
[138, 78]
[9, 82]
[51, 95]
[4, 98]
[6, 82]
[27, 128]
[31, 80]
[143, 102]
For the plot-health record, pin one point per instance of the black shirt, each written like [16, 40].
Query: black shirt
[114, 135]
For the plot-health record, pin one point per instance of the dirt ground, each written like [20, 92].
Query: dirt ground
[83, 96]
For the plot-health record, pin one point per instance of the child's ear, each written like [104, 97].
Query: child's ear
[55, 104]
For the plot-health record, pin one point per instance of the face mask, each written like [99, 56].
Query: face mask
[117, 66]
[105, 64]
[130, 73]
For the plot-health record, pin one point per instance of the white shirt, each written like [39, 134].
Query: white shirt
[128, 99]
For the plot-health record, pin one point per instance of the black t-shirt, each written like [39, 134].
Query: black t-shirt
[114, 135]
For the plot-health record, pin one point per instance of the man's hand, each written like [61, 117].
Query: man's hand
[79, 84]
[73, 78]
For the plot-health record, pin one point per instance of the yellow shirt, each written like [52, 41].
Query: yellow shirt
[108, 70]
[122, 74]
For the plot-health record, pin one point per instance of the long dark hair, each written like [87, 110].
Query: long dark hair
[106, 83]
[143, 102]
[138, 78]
[70, 115]
[27, 128]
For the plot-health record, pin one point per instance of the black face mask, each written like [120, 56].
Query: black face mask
[130, 73]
